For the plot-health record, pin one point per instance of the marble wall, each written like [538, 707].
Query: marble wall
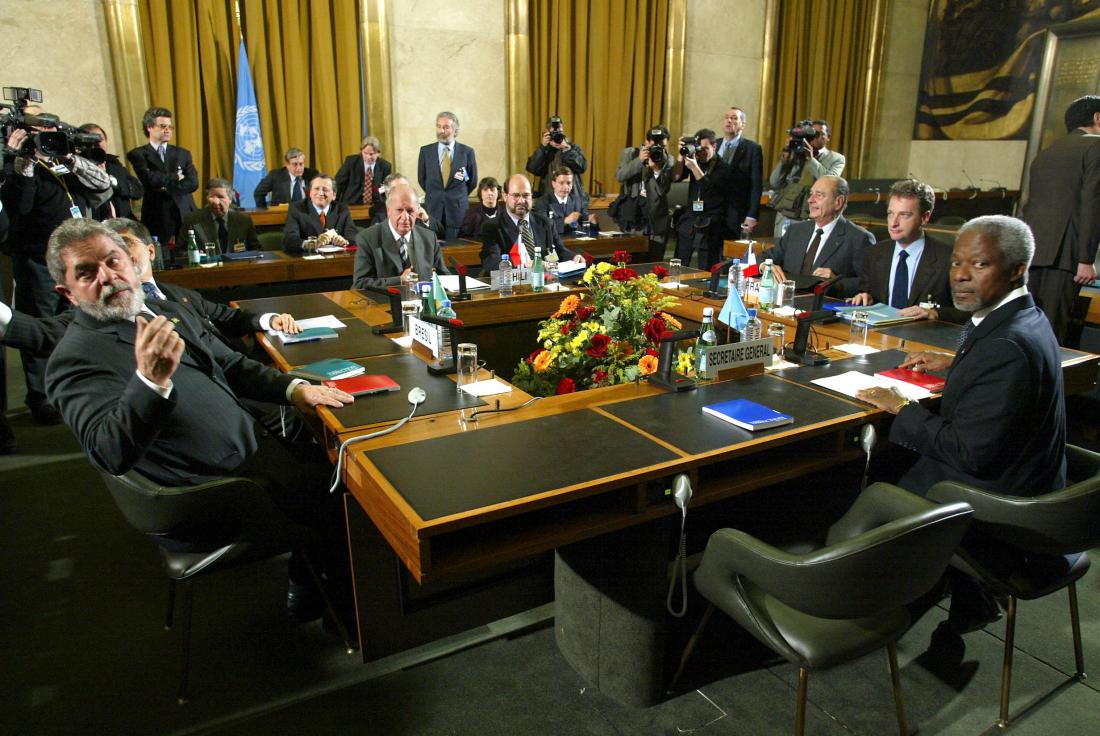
[449, 56]
[74, 62]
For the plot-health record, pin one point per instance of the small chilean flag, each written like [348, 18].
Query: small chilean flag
[518, 255]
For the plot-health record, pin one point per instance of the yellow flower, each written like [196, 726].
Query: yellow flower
[670, 320]
[568, 305]
[685, 361]
[647, 365]
[603, 267]
[542, 361]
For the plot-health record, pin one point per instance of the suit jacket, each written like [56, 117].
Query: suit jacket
[1002, 422]
[126, 188]
[500, 234]
[378, 260]
[746, 167]
[238, 224]
[1063, 202]
[277, 183]
[167, 197]
[302, 221]
[349, 182]
[199, 433]
[446, 200]
[830, 163]
[634, 176]
[930, 280]
[713, 189]
[556, 212]
[842, 251]
[539, 163]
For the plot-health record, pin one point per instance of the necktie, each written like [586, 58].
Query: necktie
[151, 290]
[445, 166]
[404, 249]
[727, 154]
[160, 150]
[967, 330]
[527, 237]
[368, 185]
[811, 252]
[296, 195]
[322, 216]
[899, 295]
[223, 235]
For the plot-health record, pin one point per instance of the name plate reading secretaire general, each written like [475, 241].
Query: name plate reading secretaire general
[736, 355]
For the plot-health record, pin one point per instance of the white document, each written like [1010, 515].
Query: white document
[328, 320]
[317, 257]
[328, 249]
[450, 283]
[405, 341]
[565, 268]
[671, 285]
[488, 387]
[852, 381]
[610, 233]
[853, 349]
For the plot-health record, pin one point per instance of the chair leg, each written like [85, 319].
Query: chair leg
[895, 678]
[800, 702]
[690, 647]
[185, 643]
[1075, 624]
[1006, 673]
[170, 610]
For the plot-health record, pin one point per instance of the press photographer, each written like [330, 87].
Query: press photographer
[701, 226]
[645, 175]
[805, 159]
[557, 151]
[45, 183]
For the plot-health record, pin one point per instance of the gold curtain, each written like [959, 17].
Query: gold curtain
[600, 65]
[827, 67]
[190, 61]
[305, 65]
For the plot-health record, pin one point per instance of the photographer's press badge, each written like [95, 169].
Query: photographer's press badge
[697, 206]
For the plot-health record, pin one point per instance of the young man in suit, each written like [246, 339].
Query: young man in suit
[361, 176]
[827, 245]
[233, 231]
[447, 172]
[566, 208]
[286, 185]
[318, 214]
[522, 225]
[745, 160]
[1063, 209]
[909, 269]
[167, 175]
[389, 250]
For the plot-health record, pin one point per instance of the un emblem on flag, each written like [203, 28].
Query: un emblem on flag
[249, 154]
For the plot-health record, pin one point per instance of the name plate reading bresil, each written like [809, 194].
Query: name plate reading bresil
[737, 354]
[425, 334]
[519, 276]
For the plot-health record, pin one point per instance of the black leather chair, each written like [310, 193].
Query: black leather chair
[841, 599]
[1030, 547]
[228, 523]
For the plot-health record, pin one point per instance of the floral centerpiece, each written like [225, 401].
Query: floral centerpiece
[605, 335]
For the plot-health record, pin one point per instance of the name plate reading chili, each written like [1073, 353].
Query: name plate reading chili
[519, 276]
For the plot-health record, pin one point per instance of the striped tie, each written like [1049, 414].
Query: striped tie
[527, 237]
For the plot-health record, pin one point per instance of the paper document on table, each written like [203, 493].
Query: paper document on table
[566, 268]
[488, 387]
[853, 349]
[404, 341]
[674, 285]
[852, 381]
[450, 283]
[329, 249]
[328, 320]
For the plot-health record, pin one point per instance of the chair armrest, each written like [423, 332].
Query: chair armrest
[1081, 464]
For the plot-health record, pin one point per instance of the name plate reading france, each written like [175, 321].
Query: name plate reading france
[737, 354]
[425, 334]
[519, 276]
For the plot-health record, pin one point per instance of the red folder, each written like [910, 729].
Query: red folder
[932, 383]
[364, 385]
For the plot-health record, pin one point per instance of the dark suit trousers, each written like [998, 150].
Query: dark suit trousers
[34, 296]
[1056, 294]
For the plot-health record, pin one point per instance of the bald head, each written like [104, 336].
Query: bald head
[401, 207]
[517, 195]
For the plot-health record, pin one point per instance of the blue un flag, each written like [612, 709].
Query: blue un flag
[249, 166]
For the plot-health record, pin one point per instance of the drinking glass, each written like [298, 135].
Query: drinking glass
[211, 250]
[466, 366]
[786, 294]
[675, 269]
[857, 332]
[777, 334]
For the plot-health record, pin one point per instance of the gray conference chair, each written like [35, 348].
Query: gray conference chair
[844, 598]
[1027, 548]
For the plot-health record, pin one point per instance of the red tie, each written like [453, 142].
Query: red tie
[322, 219]
[368, 185]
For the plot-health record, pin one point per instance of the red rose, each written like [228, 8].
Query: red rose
[621, 256]
[533, 355]
[624, 274]
[598, 343]
[599, 376]
[565, 327]
[651, 352]
[660, 271]
[566, 386]
[584, 312]
[654, 329]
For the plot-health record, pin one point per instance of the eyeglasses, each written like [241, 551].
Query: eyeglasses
[163, 126]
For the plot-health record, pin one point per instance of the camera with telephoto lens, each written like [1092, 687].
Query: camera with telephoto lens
[689, 146]
[803, 131]
[61, 141]
[657, 147]
[557, 130]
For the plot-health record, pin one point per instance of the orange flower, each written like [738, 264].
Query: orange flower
[647, 365]
[542, 361]
[568, 305]
[671, 321]
[625, 348]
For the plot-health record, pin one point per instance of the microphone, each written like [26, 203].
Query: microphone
[716, 270]
[681, 492]
[878, 193]
[867, 439]
[799, 352]
[393, 294]
[973, 186]
[999, 185]
[417, 396]
[463, 294]
[664, 375]
[820, 290]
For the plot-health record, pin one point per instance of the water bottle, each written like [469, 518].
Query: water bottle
[767, 287]
[736, 278]
[505, 275]
[754, 328]
[446, 312]
[426, 306]
[410, 300]
[158, 255]
[194, 255]
[538, 272]
[707, 337]
[551, 262]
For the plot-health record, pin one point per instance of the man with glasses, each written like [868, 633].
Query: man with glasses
[167, 174]
[520, 226]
